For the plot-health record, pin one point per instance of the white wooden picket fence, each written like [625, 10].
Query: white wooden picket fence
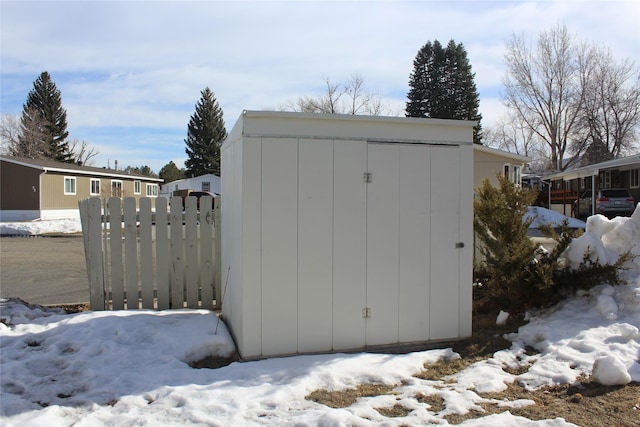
[156, 259]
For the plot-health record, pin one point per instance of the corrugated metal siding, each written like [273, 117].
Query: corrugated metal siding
[20, 187]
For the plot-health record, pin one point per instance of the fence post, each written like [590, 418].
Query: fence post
[146, 253]
[206, 253]
[162, 254]
[177, 265]
[91, 220]
[191, 252]
[115, 246]
[217, 265]
[131, 252]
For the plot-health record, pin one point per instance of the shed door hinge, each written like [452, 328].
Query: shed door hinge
[367, 177]
[366, 313]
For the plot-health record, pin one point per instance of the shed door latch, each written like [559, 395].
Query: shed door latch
[367, 177]
[366, 313]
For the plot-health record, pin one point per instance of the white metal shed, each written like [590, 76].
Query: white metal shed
[344, 232]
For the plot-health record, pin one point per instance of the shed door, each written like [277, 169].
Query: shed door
[413, 220]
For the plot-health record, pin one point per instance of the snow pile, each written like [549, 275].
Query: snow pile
[609, 370]
[502, 318]
[35, 228]
[606, 239]
[54, 359]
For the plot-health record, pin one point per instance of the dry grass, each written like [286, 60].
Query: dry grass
[396, 410]
[346, 398]
[587, 404]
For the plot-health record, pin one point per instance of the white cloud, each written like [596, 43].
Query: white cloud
[143, 64]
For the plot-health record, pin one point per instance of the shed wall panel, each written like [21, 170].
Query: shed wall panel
[279, 246]
[465, 230]
[383, 218]
[414, 281]
[231, 257]
[251, 230]
[315, 245]
[349, 244]
[445, 219]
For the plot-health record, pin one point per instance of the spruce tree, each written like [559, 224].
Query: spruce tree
[44, 121]
[442, 85]
[205, 135]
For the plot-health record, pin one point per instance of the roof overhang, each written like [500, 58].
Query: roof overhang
[623, 163]
[511, 156]
[110, 173]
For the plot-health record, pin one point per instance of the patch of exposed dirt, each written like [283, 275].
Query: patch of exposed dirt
[586, 404]
[487, 339]
[213, 362]
[346, 398]
[396, 410]
[72, 308]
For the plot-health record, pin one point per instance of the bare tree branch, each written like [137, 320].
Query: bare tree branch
[82, 153]
[349, 97]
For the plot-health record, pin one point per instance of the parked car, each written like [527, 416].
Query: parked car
[609, 202]
[197, 194]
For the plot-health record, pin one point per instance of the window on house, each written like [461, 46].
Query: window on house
[152, 190]
[517, 175]
[70, 185]
[606, 181]
[506, 171]
[634, 178]
[206, 186]
[94, 190]
[116, 188]
[137, 187]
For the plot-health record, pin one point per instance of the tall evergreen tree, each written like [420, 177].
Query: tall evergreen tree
[441, 85]
[205, 135]
[44, 119]
[170, 172]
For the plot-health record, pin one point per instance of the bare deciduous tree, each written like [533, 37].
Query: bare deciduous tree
[512, 134]
[33, 138]
[612, 107]
[9, 133]
[348, 97]
[545, 87]
[81, 151]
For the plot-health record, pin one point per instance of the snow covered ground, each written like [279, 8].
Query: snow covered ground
[546, 216]
[36, 228]
[130, 367]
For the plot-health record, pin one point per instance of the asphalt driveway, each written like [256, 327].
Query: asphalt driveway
[43, 270]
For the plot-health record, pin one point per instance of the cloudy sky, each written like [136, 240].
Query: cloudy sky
[131, 72]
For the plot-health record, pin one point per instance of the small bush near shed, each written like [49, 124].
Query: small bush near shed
[515, 273]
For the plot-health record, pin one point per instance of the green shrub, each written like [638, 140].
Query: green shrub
[515, 273]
